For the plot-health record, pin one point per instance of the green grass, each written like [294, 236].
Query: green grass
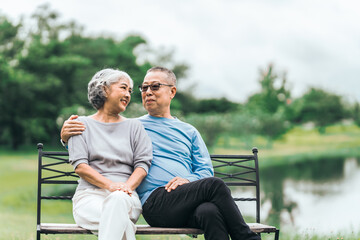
[313, 236]
[298, 144]
[18, 179]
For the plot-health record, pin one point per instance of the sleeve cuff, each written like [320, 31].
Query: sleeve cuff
[144, 166]
[76, 163]
[63, 143]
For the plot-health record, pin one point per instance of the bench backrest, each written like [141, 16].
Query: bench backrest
[240, 170]
[54, 169]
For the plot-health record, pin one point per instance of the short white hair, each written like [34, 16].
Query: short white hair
[170, 75]
[101, 79]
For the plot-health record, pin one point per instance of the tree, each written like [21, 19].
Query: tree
[356, 114]
[10, 46]
[209, 125]
[214, 105]
[318, 106]
[268, 109]
[44, 77]
[270, 98]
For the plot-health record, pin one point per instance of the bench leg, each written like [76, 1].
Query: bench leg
[37, 235]
[277, 233]
[192, 235]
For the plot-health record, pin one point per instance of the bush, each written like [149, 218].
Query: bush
[210, 126]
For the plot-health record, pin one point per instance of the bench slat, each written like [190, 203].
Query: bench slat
[62, 228]
[261, 228]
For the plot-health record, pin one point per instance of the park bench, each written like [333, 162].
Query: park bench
[55, 172]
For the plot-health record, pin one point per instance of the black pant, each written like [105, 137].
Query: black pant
[206, 204]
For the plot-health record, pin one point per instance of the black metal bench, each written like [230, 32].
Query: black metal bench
[235, 170]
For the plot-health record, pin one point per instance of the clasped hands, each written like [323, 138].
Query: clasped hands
[174, 183]
[120, 186]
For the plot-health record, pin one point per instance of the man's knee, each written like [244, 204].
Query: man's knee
[215, 183]
[206, 210]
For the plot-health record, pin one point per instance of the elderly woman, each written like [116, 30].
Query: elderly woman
[112, 156]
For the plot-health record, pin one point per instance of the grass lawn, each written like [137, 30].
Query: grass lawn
[18, 178]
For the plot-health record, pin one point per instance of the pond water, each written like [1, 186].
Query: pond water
[319, 196]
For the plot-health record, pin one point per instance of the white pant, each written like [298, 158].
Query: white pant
[113, 214]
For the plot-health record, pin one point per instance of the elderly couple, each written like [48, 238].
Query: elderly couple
[112, 155]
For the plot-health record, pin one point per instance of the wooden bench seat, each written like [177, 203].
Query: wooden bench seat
[63, 228]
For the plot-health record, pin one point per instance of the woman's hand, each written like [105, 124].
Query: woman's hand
[95, 178]
[120, 186]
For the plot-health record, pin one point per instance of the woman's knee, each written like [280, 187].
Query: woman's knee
[118, 197]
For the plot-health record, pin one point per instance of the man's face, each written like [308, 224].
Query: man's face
[157, 102]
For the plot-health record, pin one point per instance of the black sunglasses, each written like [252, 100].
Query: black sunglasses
[153, 87]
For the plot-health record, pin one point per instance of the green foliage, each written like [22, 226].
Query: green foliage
[10, 44]
[272, 125]
[214, 105]
[186, 103]
[267, 111]
[356, 113]
[270, 98]
[209, 125]
[45, 80]
[247, 124]
[243, 124]
[322, 108]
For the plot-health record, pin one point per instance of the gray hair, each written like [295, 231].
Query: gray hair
[170, 75]
[101, 79]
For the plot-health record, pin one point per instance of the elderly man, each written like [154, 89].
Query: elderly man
[179, 190]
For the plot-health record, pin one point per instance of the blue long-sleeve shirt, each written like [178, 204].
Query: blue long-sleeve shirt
[178, 151]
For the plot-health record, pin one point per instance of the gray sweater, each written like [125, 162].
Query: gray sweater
[112, 149]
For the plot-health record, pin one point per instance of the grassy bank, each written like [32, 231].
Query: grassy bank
[299, 144]
[18, 176]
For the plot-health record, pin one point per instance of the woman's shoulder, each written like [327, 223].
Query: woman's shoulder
[134, 121]
[88, 121]
[83, 119]
[135, 125]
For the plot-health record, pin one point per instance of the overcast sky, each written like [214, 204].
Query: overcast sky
[226, 42]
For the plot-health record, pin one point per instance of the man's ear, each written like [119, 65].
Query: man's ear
[173, 92]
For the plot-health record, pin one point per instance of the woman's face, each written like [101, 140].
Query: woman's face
[118, 96]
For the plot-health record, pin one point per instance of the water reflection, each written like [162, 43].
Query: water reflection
[318, 196]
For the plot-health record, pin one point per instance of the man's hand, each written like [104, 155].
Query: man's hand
[175, 182]
[71, 128]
